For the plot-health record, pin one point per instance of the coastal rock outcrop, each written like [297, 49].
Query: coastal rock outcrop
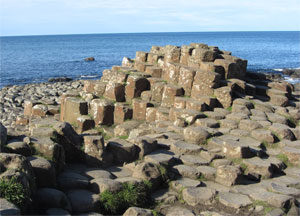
[183, 125]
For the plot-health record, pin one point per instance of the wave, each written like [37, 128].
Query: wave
[89, 76]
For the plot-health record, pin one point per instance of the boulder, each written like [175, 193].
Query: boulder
[100, 185]
[89, 59]
[224, 96]
[115, 91]
[44, 171]
[73, 108]
[196, 135]
[135, 211]
[51, 198]
[139, 109]
[168, 95]
[83, 201]
[47, 148]
[21, 148]
[282, 131]
[204, 83]
[194, 196]
[135, 86]
[102, 111]
[125, 128]
[69, 180]
[122, 112]
[84, 123]
[69, 140]
[145, 145]
[122, 150]
[228, 175]
[8, 208]
[149, 172]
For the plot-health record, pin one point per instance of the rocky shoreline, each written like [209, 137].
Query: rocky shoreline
[175, 131]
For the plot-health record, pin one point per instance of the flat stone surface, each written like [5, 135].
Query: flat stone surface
[207, 171]
[234, 200]
[130, 180]
[194, 160]
[94, 173]
[82, 200]
[135, 211]
[179, 211]
[119, 171]
[162, 158]
[187, 171]
[194, 196]
[101, 184]
[185, 148]
[72, 180]
[185, 183]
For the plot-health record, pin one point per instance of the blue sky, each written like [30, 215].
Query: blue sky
[42, 17]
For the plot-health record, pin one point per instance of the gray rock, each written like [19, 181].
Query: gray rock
[21, 148]
[94, 173]
[282, 131]
[7, 208]
[135, 211]
[195, 135]
[99, 185]
[207, 171]
[228, 175]
[44, 171]
[162, 157]
[181, 183]
[70, 180]
[234, 200]
[195, 160]
[122, 150]
[47, 198]
[187, 171]
[263, 135]
[119, 172]
[83, 201]
[3, 135]
[57, 211]
[181, 147]
[179, 211]
[194, 196]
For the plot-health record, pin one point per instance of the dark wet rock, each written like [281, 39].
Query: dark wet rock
[60, 79]
[89, 59]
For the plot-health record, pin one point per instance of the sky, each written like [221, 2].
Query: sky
[44, 17]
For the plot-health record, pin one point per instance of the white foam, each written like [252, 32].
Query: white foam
[87, 76]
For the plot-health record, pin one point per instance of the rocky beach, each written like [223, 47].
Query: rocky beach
[179, 130]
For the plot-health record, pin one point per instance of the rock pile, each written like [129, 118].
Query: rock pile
[210, 138]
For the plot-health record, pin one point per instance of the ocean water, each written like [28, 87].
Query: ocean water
[29, 59]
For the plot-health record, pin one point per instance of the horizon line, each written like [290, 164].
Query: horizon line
[66, 34]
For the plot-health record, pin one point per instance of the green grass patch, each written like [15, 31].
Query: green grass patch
[267, 145]
[101, 131]
[239, 161]
[282, 157]
[202, 178]
[130, 195]
[180, 196]
[13, 191]
[123, 137]
[229, 109]
[265, 205]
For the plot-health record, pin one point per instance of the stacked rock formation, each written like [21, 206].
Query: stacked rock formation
[225, 141]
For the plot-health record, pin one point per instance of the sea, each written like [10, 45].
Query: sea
[33, 59]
